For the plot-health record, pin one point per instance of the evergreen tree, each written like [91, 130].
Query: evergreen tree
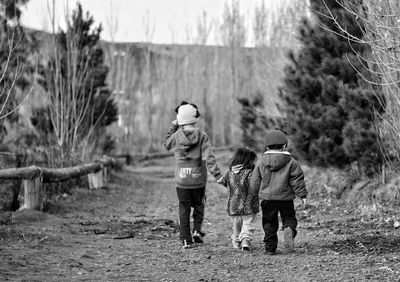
[254, 123]
[329, 108]
[250, 122]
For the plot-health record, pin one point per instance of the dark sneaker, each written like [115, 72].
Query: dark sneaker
[186, 244]
[270, 253]
[246, 245]
[288, 238]
[198, 237]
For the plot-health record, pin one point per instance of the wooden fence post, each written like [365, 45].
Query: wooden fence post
[33, 194]
[95, 180]
[9, 188]
[106, 173]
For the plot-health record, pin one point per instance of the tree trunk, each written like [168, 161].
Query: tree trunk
[95, 180]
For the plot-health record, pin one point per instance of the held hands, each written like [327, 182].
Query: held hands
[305, 203]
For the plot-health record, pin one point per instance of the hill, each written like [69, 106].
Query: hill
[150, 80]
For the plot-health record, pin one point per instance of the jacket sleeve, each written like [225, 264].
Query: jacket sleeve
[297, 180]
[252, 199]
[169, 141]
[224, 180]
[210, 159]
[255, 181]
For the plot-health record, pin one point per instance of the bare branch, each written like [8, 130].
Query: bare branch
[379, 21]
[11, 41]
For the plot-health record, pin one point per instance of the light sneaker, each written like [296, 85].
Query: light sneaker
[186, 244]
[236, 244]
[288, 238]
[246, 245]
[198, 237]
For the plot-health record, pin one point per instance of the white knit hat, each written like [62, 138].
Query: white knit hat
[187, 114]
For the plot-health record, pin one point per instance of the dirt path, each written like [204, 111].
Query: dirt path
[128, 232]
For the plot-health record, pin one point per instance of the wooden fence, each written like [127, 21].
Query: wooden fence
[33, 177]
[97, 172]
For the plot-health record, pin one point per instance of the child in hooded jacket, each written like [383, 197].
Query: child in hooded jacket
[243, 211]
[277, 179]
[193, 155]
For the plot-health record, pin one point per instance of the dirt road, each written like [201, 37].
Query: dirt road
[128, 232]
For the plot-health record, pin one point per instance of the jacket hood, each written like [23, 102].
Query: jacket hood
[236, 168]
[187, 138]
[275, 160]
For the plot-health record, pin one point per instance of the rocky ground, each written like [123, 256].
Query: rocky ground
[128, 231]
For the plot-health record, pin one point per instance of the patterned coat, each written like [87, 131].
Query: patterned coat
[237, 181]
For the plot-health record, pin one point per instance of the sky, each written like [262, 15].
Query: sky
[172, 21]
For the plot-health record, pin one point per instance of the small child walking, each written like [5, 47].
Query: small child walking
[193, 155]
[243, 211]
[277, 179]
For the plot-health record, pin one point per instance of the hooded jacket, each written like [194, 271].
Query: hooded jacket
[237, 180]
[278, 176]
[193, 154]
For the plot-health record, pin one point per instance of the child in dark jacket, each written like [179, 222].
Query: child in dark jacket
[242, 210]
[277, 179]
[193, 155]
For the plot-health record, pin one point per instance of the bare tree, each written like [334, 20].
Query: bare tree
[261, 25]
[276, 25]
[112, 22]
[70, 85]
[233, 35]
[122, 71]
[274, 30]
[69, 105]
[379, 22]
[204, 27]
[147, 88]
[11, 69]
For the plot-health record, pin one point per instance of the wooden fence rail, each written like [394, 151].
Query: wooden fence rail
[33, 177]
[97, 172]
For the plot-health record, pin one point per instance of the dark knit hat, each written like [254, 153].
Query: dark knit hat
[275, 137]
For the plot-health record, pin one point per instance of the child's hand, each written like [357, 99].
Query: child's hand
[175, 122]
[305, 203]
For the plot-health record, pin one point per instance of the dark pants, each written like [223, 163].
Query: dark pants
[270, 221]
[190, 198]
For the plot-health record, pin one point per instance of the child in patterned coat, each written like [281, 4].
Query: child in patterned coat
[237, 180]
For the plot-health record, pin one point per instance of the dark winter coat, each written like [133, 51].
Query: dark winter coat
[278, 176]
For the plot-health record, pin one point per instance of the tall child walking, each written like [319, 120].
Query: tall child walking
[193, 155]
[243, 211]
